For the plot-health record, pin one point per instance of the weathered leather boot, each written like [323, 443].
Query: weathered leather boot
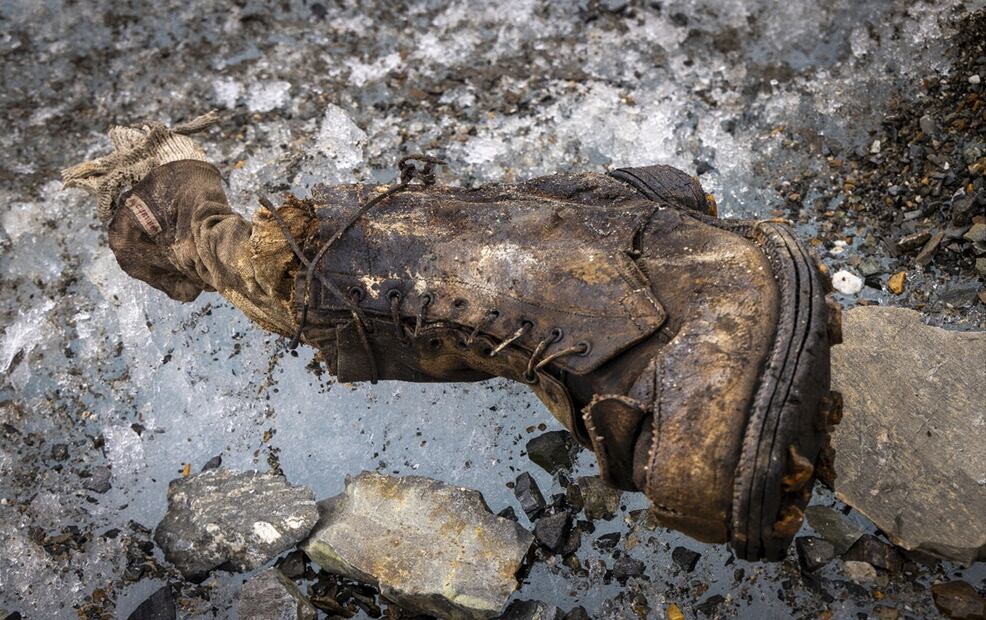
[691, 354]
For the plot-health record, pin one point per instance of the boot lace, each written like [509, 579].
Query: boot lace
[408, 172]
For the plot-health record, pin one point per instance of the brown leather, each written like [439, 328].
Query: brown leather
[493, 250]
[679, 311]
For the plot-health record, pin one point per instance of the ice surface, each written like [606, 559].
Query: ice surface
[509, 90]
[267, 96]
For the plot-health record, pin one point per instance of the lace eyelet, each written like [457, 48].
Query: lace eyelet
[557, 335]
[357, 293]
[587, 346]
[529, 378]
[394, 294]
[459, 303]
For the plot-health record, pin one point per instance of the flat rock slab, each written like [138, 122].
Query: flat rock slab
[239, 520]
[428, 546]
[272, 596]
[909, 451]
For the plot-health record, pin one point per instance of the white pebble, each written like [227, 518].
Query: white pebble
[847, 283]
[974, 78]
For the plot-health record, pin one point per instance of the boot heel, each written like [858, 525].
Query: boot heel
[784, 434]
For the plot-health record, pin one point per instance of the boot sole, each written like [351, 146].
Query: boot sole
[792, 411]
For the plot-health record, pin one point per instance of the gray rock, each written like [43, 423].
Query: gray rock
[552, 530]
[874, 551]
[552, 451]
[909, 449]
[913, 241]
[99, 481]
[814, 553]
[293, 565]
[927, 253]
[577, 613]
[59, 452]
[963, 208]
[626, 567]
[600, 500]
[711, 605]
[428, 546]
[272, 596]
[976, 233]
[928, 125]
[685, 558]
[240, 520]
[870, 266]
[960, 293]
[833, 527]
[528, 493]
[531, 610]
[158, 606]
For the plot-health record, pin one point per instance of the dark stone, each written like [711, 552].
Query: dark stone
[159, 606]
[709, 606]
[99, 481]
[573, 495]
[213, 463]
[531, 610]
[833, 527]
[59, 452]
[961, 293]
[607, 541]
[927, 253]
[913, 241]
[552, 530]
[577, 613]
[293, 565]
[874, 551]
[529, 495]
[271, 595]
[508, 513]
[686, 559]
[600, 500]
[626, 567]
[573, 540]
[959, 600]
[963, 208]
[552, 451]
[814, 552]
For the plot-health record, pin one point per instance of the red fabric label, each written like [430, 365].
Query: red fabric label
[143, 214]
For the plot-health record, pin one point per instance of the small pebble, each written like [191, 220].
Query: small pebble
[974, 78]
[896, 282]
[860, 572]
[674, 612]
[846, 282]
